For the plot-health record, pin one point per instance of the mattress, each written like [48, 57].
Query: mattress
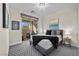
[46, 44]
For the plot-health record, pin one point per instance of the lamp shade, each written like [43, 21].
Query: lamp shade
[67, 33]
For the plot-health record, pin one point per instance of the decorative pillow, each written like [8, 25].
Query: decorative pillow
[58, 32]
[52, 33]
[48, 32]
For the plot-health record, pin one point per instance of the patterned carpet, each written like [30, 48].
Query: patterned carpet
[25, 49]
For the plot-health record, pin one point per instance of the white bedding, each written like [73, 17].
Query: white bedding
[46, 44]
[60, 38]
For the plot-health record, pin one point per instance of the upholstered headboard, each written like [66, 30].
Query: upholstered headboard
[55, 32]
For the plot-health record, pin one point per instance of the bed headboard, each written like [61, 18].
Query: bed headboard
[55, 32]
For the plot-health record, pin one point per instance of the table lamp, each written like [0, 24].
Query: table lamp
[67, 33]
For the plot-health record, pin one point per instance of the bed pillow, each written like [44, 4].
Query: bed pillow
[52, 33]
[58, 32]
[48, 32]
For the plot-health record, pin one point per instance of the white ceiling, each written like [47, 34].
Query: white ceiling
[50, 8]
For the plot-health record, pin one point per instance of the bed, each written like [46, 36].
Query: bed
[45, 44]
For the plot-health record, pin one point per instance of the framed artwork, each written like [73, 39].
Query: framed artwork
[54, 24]
[5, 16]
[15, 25]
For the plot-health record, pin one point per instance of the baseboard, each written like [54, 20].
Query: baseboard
[15, 43]
[75, 45]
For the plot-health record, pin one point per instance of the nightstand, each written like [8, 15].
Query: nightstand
[67, 41]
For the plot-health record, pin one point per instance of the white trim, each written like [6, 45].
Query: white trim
[15, 43]
[75, 45]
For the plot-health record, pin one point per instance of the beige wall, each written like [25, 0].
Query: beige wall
[78, 26]
[4, 37]
[15, 36]
[67, 20]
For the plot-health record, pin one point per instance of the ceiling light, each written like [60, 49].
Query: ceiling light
[41, 5]
[32, 11]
